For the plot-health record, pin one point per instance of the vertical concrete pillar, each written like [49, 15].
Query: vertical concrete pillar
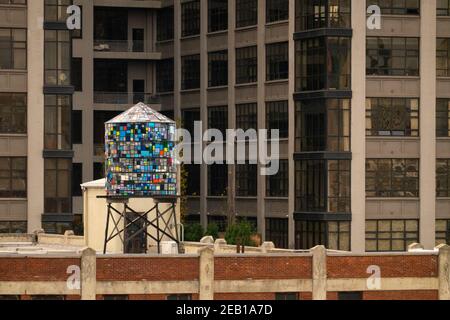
[444, 272]
[427, 123]
[88, 274]
[319, 273]
[358, 126]
[206, 274]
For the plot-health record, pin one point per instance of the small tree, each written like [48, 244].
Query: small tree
[240, 234]
[212, 230]
[193, 232]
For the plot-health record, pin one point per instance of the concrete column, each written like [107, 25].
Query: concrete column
[291, 147]
[261, 102]
[358, 126]
[427, 123]
[444, 272]
[88, 274]
[319, 265]
[206, 273]
[35, 174]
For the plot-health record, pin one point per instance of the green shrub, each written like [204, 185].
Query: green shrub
[212, 230]
[193, 232]
[240, 233]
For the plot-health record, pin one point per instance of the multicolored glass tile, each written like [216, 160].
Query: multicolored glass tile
[139, 150]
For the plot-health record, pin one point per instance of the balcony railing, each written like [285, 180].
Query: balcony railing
[119, 46]
[125, 98]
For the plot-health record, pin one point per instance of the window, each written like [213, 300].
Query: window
[77, 126]
[9, 297]
[392, 56]
[100, 117]
[322, 186]
[13, 113]
[110, 25]
[190, 18]
[322, 14]
[217, 15]
[189, 117]
[246, 13]
[246, 180]
[218, 119]
[334, 235]
[77, 73]
[443, 178]
[443, 7]
[13, 2]
[192, 172]
[13, 49]
[57, 122]
[398, 7]
[190, 72]
[77, 179]
[217, 180]
[323, 63]
[218, 68]
[442, 232]
[353, 296]
[278, 185]
[165, 24]
[13, 227]
[58, 57]
[391, 235]
[277, 118]
[99, 170]
[286, 296]
[110, 81]
[392, 117]
[115, 297]
[13, 177]
[52, 227]
[277, 59]
[165, 75]
[322, 125]
[443, 118]
[47, 297]
[78, 33]
[220, 221]
[179, 297]
[57, 185]
[443, 57]
[392, 178]
[246, 116]
[56, 10]
[246, 65]
[277, 10]
[277, 232]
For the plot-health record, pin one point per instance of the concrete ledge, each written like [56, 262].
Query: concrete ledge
[147, 287]
[36, 287]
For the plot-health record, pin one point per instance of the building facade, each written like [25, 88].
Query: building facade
[363, 113]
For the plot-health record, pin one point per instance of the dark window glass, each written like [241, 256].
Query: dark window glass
[217, 15]
[443, 118]
[192, 175]
[99, 170]
[165, 75]
[165, 24]
[398, 7]
[77, 179]
[47, 297]
[179, 297]
[218, 68]
[57, 185]
[442, 232]
[392, 178]
[190, 72]
[13, 49]
[115, 297]
[77, 127]
[443, 57]
[323, 63]
[322, 125]
[246, 116]
[443, 178]
[13, 177]
[391, 235]
[246, 180]
[22, 2]
[189, 117]
[392, 117]
[286, 296]
[277, 118]
[57, 122]
[443, 7]
[350, 296]
[100, 117]
[277, 10]
[218, 119]
[278, 185]
[217, 180]
[190, 18]
[56, 10]
[219, 221]
[58, 57]
[77, 73]
[246, 13]
[322, 14]
[13, 227]
[392, 56]
[246, 65]
[334, 235]
[110, 26]
[277, 232]
[13, 113]
[110, 81]
[9, 297]
[277, 59]
[322, 186]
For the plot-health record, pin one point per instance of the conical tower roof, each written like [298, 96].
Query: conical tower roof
[140, 113]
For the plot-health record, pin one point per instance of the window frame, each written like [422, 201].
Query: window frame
[390, 235]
